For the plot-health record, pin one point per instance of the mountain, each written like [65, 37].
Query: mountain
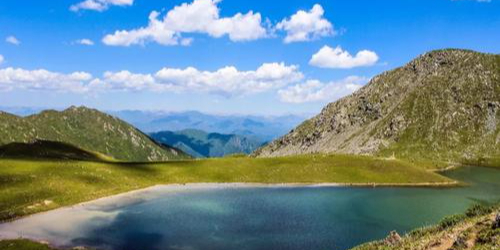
[201, 144]
[442, 105]
[87, 129]
[40, 149]
[265, 127]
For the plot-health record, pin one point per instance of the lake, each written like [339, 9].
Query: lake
[251, 218]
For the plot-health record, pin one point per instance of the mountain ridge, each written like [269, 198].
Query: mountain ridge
[203, 144]
[88, 129]
[444, 104]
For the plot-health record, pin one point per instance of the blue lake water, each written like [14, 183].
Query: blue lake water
[259, 218]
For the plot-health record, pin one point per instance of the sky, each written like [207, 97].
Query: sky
[222, 56]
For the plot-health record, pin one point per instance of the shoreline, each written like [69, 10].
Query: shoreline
[152, 192]
[134, 195]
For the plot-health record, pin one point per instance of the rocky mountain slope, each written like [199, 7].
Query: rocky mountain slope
[202, 144]
[88, 129]
[444, 105]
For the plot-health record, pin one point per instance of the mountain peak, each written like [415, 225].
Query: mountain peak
[88, 129]
[443, 104]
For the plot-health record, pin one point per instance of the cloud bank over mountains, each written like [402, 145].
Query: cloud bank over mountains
[287, 80]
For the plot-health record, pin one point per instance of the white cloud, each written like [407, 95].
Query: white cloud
[1, 59]
[99, 5]
[200, 16]
[12, 40]
[85, 41]
[227, 81]
[337, 58]
[314, 90]
[306, 25]
[42, 79]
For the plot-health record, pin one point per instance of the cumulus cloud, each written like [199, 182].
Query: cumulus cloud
[85, 41]
[99, 5]
[306, 25]
[12, 40]
[314, 90]
[200, 16]
[42, 79]
[227, 81]
[338, 58]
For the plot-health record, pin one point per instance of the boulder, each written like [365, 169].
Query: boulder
[392, 239]
[496, 222]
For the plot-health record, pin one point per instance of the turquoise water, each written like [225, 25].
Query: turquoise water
[272, 218]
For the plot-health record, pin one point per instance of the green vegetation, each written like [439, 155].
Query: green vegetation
[48, 150]
[201, 144]
[28, 186]
[476, 229]
[443, 106]
[87, 129]
[23, 245]
[484, 162]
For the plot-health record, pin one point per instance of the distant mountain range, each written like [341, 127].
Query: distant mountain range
[201, 144]
[444, 105]
[266, 128]
[87, 129]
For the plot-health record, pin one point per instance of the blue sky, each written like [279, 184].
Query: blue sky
[257, 62]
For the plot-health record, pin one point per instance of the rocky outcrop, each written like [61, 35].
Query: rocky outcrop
[392, 239]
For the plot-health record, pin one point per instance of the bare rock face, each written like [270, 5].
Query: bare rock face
[444, 104]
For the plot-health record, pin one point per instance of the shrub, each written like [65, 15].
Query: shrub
[478, 210]
[450, 221]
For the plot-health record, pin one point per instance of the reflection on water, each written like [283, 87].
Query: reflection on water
[256, 218]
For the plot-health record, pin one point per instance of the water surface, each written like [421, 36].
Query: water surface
[256, 218]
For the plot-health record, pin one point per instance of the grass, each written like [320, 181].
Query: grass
[484, 162]
[472, 230]
[23, 245]
[28, 186]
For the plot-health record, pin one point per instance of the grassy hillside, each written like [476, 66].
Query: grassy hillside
[477, 229]
[88, 129]
[443, 105]
[28, 186]
[48, 150]
[201, 144]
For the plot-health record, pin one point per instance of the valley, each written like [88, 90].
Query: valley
[386, 140]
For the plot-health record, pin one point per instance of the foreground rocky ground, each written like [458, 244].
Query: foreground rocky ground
[477, 229]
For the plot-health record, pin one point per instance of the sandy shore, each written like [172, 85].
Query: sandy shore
[139, 195]
[153, 191]
[105, 209]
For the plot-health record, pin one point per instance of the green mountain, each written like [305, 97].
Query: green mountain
[442, 105]
[201, 144]
[87, 129]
